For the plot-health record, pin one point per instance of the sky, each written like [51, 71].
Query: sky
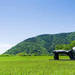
[22, 19]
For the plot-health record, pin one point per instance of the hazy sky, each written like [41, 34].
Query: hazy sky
[21, 19]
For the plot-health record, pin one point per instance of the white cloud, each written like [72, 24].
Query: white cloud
[5, 47]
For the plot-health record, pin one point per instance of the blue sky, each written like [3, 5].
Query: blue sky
[21, 19]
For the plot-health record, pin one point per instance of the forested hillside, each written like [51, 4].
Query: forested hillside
[42, 44]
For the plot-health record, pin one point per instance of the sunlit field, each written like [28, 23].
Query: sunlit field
[36, 65]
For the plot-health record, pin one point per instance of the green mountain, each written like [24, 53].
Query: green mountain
[42, 44]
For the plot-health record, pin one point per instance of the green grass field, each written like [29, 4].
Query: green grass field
[36, 65]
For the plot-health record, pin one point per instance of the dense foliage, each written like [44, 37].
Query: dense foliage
[65, 46]
[42, 45]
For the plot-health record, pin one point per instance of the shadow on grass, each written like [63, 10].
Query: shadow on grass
[61, 60]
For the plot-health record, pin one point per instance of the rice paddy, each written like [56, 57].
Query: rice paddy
[36, 65]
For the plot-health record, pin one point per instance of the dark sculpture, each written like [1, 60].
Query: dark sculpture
[70, 53]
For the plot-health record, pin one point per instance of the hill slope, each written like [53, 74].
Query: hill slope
[43, 44]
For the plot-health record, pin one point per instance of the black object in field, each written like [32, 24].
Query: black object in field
[70, 53]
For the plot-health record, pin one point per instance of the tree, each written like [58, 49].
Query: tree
[22, 54]
[65, 46]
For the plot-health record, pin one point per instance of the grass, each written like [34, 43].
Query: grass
[36, 65]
